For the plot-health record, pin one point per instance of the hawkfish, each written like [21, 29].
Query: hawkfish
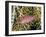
[26, 19]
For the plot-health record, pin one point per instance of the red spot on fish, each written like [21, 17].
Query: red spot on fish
[26, 19]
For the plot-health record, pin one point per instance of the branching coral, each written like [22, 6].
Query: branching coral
[27, 11]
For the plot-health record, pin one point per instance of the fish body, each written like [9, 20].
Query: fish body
[26, 19]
